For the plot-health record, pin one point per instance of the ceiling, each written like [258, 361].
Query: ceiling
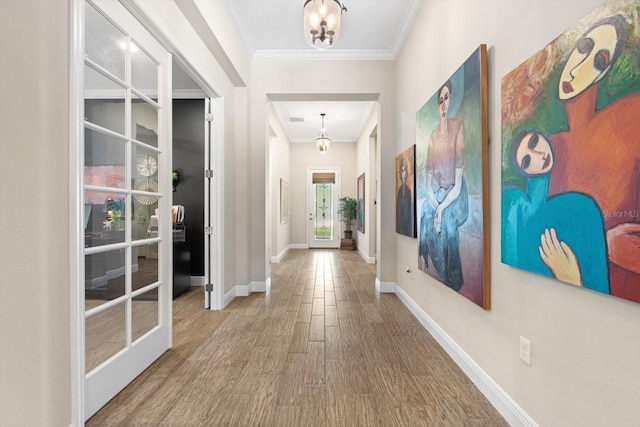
[370, 29]
[282, 21]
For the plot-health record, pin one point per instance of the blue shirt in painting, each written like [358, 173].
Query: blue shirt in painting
[576, 219]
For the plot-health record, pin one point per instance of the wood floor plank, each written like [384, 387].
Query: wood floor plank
[320, 349]
[316, 329]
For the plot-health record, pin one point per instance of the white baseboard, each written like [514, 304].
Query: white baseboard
[246, 290]
[279, 257]
[228, 297]
[385, 287]
[503, 403]
[198, 281]
[259, 286]
[368, 259]
[242, 290]
[299, 246]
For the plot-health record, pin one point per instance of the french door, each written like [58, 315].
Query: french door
[126, 192]
[322, 196]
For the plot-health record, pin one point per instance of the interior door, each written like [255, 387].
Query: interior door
[322, 195]
[126, 180]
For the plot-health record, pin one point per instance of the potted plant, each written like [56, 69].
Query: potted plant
[348, 212]
[176, 177]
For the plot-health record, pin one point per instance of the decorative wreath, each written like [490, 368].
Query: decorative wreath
[150, 186]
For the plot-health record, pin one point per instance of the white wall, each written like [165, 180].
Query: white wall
[585, 368]
[280, 147]
[364, 165]
[35, 368]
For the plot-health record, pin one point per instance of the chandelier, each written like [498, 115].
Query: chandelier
[322, 22]
[323, 141]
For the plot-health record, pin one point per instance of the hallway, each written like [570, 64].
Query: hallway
[320, 349]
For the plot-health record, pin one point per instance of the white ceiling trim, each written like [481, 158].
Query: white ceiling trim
[338, 55]
[404, 29]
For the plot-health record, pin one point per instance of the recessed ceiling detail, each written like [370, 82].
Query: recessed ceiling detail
[282, 21]
[300, 120]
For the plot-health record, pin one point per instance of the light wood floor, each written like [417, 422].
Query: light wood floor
[321, 349]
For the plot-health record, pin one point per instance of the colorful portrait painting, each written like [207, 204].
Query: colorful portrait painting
[451, 182]
[405, 192]
[571, 156]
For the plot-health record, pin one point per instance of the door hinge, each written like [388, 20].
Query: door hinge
[208, 230]
[208, 117]
[208, 173]
[208, 287]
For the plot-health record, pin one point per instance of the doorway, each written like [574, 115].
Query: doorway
[322, 197]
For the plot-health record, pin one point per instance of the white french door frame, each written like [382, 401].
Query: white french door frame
[335, 241]
[87, 389]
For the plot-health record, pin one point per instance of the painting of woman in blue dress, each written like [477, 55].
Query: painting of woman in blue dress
[452, 182]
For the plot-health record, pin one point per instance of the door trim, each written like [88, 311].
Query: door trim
[76, 184]
[214, 215]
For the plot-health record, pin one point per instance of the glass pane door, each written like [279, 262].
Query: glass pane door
[323, 226]
[323, 207]
[126, 310]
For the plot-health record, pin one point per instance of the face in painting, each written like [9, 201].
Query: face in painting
[403, 171]
[590, 60]
[533, 155]
[444, 100]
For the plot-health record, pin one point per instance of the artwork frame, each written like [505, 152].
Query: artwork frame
[405, 192]
[452, 182]
[584, 197]
[284, 201]
[361, 203]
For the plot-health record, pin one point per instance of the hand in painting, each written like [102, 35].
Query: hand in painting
[624, 245]
[559, 257]
[437, 219]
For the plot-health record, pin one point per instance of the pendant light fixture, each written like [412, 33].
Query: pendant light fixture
[322, 22]
[323, 141]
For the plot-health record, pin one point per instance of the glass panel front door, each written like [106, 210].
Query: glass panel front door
[323, 185]
[323, 227]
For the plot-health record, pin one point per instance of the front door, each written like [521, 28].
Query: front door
[126, 181]
[323, 224]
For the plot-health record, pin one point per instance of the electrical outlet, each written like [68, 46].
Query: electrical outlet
[525, 350]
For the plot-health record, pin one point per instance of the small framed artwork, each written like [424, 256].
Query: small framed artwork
[405, 192]
[284, 201]
[361, 203]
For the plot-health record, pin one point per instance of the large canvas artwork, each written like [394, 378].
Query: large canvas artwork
[405, 192]
[571, 155]
[452, 180]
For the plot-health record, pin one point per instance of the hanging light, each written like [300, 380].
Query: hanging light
[322, 22]
[323, 141]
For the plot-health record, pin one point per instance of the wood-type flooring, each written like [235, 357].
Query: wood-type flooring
[320, 349]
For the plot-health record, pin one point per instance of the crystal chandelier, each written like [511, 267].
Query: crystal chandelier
[323, 141]
[322, 22]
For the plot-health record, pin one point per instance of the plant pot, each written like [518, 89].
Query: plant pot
[348, 234]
